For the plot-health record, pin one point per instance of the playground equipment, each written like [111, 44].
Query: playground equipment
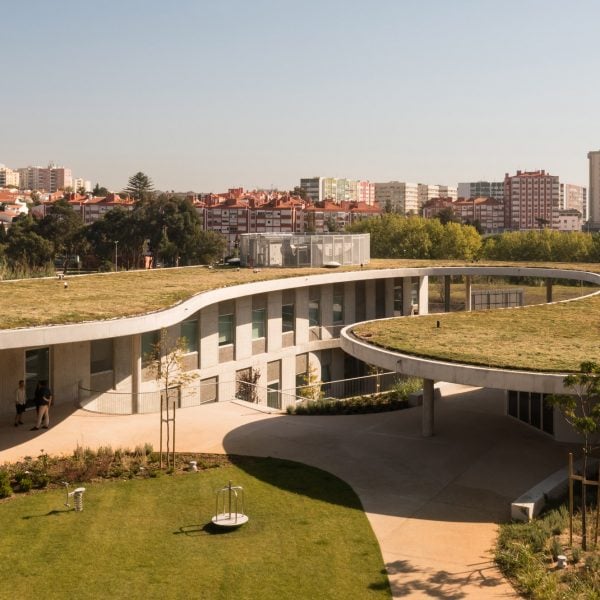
[76, 494]
[234, 515]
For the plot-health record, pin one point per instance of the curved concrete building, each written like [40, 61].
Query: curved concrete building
[277, 327]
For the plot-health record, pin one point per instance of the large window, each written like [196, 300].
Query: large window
[189, 332]
[338, 306]
[150, 340]
[287, 318]
[101, 356]
[314, 313]
[259, 321]
[226, 330]
[398, 299]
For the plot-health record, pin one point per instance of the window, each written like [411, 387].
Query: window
[258, 323]
[287, 318]
[338, 308]
[189, 331]
[101, 356]
[314, 313]
[226, 330]
[150, 339]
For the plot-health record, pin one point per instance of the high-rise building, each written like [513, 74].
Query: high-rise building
[427, 192]
[338, 189]
[398, 196]
[49, 179]
[531, 200]
[574, 197]
[481, 189]
[594, 189]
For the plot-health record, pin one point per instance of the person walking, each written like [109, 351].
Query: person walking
[20, 401]
[45, 401]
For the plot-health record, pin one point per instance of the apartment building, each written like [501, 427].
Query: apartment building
[574, 197]
[8, 177]
[398, 196]
[427, 192]
[488, 213]
[338, 189]
[481, 189]
[531, 200]
[594, 189]
[49, 179]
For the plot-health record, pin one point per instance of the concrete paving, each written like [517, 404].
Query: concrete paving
[434, 503]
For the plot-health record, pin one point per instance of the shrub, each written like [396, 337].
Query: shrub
[5, 489]
[25, 484]
[576, 554]
[556, 548]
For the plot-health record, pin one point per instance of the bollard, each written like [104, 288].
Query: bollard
[561, 561]
[193, 465]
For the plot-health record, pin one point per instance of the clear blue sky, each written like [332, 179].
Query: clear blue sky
[208, 95]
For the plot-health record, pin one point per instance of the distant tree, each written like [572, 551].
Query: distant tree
[81, 190]
[140, 187]
[299, 191]
[63, 227]
[100, 191]
[25, 248]
[447, 215]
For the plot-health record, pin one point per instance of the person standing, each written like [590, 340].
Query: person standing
[45, 402]
[20, 401]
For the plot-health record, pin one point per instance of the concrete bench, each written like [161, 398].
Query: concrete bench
[529, 505]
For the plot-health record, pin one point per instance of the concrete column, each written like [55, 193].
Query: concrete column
[370, 297]
[424, 295]
[549, 283]
[243, 327]
[288, 379]
[447, 292]
[468, 293]
[301, 316]
[428, 408]
[326, 311]
[407, 296]
[209, 336]
[136, 371]
[349, 303]
[274, 321]
[389, 297]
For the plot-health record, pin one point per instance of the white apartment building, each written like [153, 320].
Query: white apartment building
[399, 196]
[427, 192]
[481, 189]
[594, 189]
[338, 189]
[574, 197]
[8, 177]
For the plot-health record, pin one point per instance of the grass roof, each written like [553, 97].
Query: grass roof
[549, 337]
[35, 302]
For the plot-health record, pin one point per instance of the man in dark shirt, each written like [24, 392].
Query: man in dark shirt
[44, 400]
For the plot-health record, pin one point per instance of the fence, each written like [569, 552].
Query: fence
[113, 402]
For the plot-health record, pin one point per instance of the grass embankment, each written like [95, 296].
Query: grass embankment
[35, 302]
[148, 538]
[551, 338]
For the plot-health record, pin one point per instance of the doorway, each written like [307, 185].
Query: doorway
[37, 368]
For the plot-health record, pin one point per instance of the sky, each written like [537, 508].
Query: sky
[206, 95]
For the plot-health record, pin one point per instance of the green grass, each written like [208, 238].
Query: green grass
[147, 538]
[113, 295]
[551, 338]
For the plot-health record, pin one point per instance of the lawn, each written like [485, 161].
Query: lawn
[552, 338]
[127, 293]
[307, 537]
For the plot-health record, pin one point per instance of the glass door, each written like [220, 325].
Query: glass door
[37, 368]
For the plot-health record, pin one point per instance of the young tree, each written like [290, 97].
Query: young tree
[581, 409]
[310, 385]
[165, 363]
[139, 187]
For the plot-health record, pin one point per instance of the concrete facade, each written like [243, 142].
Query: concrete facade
[257, 340]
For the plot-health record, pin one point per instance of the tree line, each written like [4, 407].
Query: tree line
[397, 236]
[168, 228]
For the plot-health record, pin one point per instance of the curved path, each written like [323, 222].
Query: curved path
[433, 503]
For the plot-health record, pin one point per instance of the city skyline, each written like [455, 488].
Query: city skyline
[206, 97]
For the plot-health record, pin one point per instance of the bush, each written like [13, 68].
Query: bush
[25, 484]
[5, 489]
[556, 548]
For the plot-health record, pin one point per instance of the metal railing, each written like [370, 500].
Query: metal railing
[113, 402]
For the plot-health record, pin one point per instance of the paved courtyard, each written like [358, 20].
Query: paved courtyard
[433, 503]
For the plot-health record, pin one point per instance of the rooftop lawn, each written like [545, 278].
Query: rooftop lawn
[551, 338]
[307, 537]
[34, 302]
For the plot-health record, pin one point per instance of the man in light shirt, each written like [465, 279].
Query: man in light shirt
[20, 400]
